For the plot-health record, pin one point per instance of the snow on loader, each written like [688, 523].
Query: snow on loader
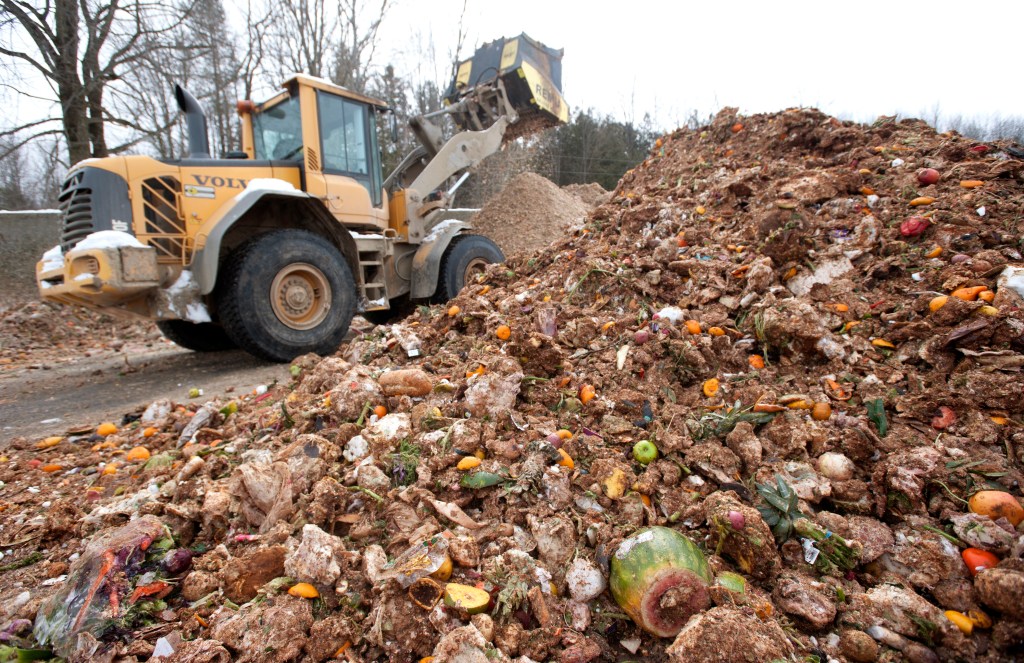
[275, 248]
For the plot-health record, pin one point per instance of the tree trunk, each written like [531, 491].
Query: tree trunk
[70, 92]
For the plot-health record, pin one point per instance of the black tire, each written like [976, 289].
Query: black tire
[201, 337]
[465, 256]
[286, 293]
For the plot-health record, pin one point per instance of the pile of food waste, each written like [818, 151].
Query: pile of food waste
[761, 405]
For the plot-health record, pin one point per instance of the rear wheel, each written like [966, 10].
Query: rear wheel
[465, 258]
[285, 293]
[201, 337]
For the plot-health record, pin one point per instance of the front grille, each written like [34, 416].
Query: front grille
[75, 203]
[164, 227]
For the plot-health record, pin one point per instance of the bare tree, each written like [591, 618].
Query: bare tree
[13, 195]
[354, 55]
[79, 47]
[300, 37]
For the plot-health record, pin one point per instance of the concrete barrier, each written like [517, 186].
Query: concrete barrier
[24, 237]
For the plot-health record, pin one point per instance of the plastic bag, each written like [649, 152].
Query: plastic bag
[101, 582]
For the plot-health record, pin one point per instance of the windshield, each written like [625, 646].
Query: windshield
[277, 131]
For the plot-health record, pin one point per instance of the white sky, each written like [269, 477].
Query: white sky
[857, 59]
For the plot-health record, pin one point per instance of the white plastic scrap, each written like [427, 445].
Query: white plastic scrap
[896, 163]
[200, 419]
[355, 449]
[981, 211]
[671, 314]
[1012, 278]
[810, 552]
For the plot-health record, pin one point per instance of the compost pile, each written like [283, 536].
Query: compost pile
[42, 333]
[532, 212]
[748, 406]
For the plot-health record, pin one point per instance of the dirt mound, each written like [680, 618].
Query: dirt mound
[821, 385]
[530, 213]
[592, 194]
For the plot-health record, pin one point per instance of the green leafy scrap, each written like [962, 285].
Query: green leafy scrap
[876, 413]
[781, 507]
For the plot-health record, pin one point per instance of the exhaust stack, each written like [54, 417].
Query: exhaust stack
[198, 147]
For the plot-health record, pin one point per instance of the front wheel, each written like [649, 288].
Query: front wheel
[286, 293]
[465, 258]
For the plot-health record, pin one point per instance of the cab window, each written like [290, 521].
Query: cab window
[277, 131]
[345, 135]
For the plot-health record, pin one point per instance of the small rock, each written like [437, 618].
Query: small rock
[556, 539]
[374, 479]
[267, 633]
[1002, 590]
[464, 551]
[315, 560]
[858, 646]
[752, 548]
[979, 531]
[798, 598]
[494, 393]
[198, 584]
[243, 576]
[726, 635]
[465, 645]
[745, 444]
[485, 624]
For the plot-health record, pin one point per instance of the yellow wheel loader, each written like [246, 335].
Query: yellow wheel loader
[275, 248]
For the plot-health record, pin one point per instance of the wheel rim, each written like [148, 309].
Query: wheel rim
[300, 296]
[474, 269]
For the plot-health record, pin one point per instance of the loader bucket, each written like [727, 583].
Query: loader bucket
[529, 71]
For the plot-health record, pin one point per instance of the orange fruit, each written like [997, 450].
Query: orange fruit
[106, 429]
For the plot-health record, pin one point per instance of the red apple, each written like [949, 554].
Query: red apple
[927, 176]
[914, 226]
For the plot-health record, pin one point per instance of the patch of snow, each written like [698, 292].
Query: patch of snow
[196, 312]
[374, 303]
[53, 259]
[84, 277]
[440, 228]
[29, 212]
[184, 281]
[268, 184]
[362, 236]
[109, 239]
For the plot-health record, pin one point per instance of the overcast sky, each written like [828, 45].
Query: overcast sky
[857, 59]
[853, 59]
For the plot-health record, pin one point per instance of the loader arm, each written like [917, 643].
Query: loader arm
[509, 88]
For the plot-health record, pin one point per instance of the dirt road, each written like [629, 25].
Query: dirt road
[37, 402]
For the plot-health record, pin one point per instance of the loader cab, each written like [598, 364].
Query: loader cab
[330, 133]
